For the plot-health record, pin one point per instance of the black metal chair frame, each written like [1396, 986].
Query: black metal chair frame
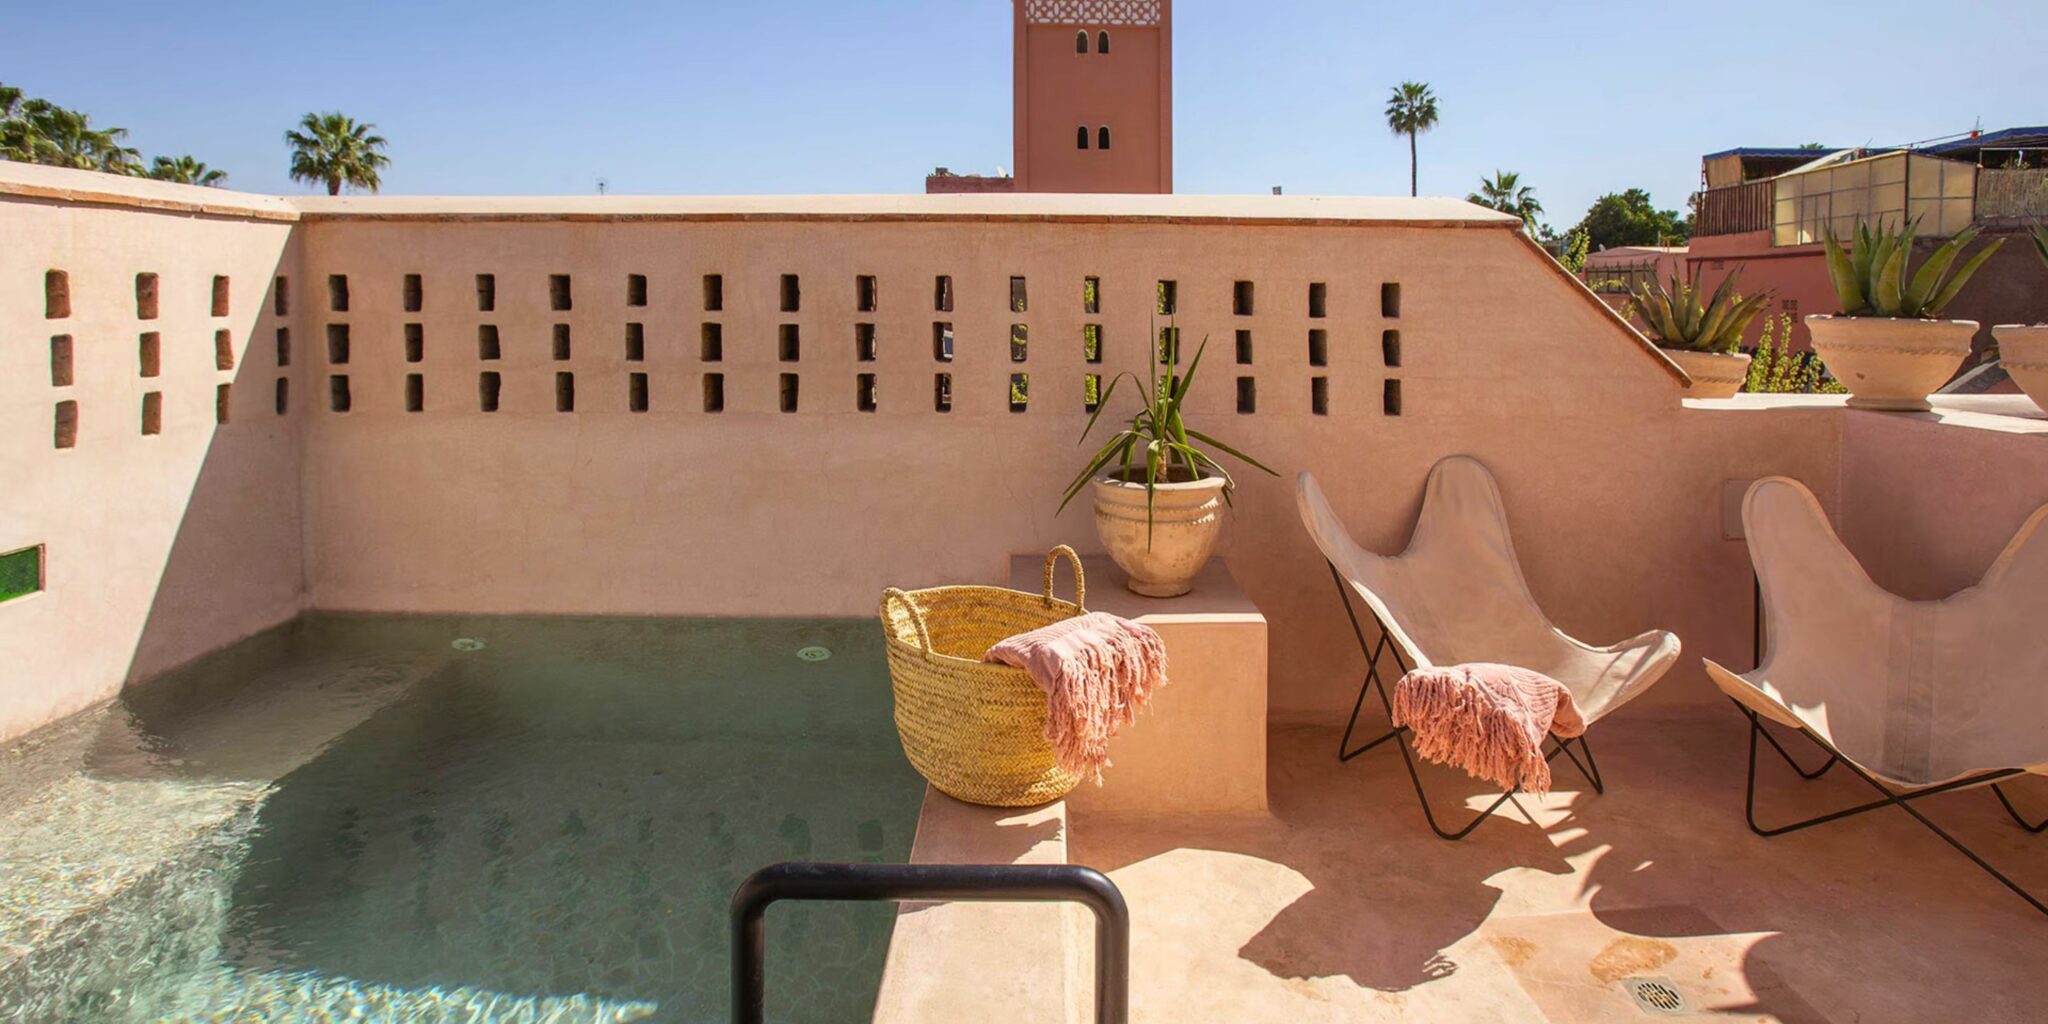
[1888, 796]
[1399, 734]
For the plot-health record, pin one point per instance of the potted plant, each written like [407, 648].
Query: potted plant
[1887, 346]
[2023, 348]
[1704, 339]
[1158, 508]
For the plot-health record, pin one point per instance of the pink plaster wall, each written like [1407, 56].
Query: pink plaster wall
[158, 548]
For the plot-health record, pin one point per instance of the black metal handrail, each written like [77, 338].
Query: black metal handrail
[1000, 883]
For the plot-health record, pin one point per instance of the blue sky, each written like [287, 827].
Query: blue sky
[805, 96]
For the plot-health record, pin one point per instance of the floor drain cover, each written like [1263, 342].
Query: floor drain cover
[467, 643]
[813, 653]
[1654, 995]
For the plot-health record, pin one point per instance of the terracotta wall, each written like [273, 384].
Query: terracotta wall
[157, 547]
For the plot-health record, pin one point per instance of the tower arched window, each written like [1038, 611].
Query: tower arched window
[1081, 41]
[1101, 42]
[1081, 137]
[1101, 137]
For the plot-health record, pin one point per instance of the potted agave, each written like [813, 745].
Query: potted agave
[1703, 338]
[2023, 348]
[1158, 492]
[1887, 346]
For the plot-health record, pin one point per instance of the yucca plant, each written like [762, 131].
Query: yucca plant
[1682, 321]
[1158, 442]
[1873, 277]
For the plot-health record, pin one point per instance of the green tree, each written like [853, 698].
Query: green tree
[334, 149]
[186, 171]
[1411, 110]
[1629, 218]
[66, 138]
[1506, 193]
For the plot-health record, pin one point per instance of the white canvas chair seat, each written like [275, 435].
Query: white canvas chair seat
[1457, 594]
[1916, 693]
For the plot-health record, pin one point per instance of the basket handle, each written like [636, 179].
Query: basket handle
[924, 636]
[1080, 578]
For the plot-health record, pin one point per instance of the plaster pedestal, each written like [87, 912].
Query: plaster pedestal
[1199, 747]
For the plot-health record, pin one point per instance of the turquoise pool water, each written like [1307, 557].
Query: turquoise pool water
[351, 818]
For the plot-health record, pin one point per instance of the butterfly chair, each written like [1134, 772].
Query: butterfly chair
[1456, 596]
[1915, 697]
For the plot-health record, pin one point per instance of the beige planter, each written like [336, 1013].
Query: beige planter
[1186, 518]
[1889, 363]
[1714, 374]
[2023, 351]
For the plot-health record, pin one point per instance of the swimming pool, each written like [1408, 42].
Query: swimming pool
[457, 819]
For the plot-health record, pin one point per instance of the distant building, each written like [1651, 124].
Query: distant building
[1093, 99]
[1766, 211]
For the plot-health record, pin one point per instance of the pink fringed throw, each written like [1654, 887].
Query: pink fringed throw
[1487, 719]
[1097, 670]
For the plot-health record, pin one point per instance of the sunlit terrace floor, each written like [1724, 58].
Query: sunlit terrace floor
[1341, 906]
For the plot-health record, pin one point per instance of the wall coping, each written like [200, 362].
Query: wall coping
[93, 188]
[1999, 414]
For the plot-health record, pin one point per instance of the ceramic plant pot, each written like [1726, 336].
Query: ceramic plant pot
[1714, 374]
[1186, 519]
[2023, 351]
[1888, 363]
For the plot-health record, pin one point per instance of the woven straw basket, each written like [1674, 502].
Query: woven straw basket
[975, 731]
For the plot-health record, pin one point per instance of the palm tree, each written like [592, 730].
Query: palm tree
[1411, 110]
[1506, 193]
[186, 171]
[66, 138]
[335, 150]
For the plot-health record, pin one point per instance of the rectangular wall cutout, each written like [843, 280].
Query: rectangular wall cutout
[636, 392]
[864, 392]
[1244, 348]
[1019, 301]
[60, 361]
[337, 292]
[1091, 343]
[1168, 298]
[1318, 347]
[1020, 392]
[561, 344]
[1247, 396]
[1390, 397]
[56, 295]
[1169, 346]
[145, 296]
[636, 289]
[152, 413]
[149, 348]
[488, 386]
[487, 346]
[223, 350]
[787, 348]
[1390, 300]
[565, 392]
[222, 400]
[558, 292]
[864, 347]
[486, 293]
[1319, 395]
[1091, 295]
[714, 392]
[712, 348]
[1091, 392]
[284, 347]
[942, 341]
[942, 392]
[415, 392]
[283, 395]
[942, 293]
[714, 292]
[21, 573]
[1390, 347]
[415, 343]
[636, 343]
[280, 291]
[1241, 298]
[337, 344]
[1020, 342]
[1318, 300]
[66, 435]
[414, 293]
[220, 295]
[866, 295]
[792, 294]
[787, 389]
[338, 399]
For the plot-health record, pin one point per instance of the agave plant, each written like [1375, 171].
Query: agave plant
[1873, 277]
[1681, 321]
[1158, 444]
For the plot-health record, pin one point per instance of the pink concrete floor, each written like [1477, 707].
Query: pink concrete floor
[1341, 906]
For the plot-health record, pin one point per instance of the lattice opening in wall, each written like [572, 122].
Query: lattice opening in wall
[338, 397]
[337, 293]
[865, 349]
[866, 293]
[152, 412]
[220, 295]
[60, 361]
[223, 350]
[21, 572]
[714, 392]
[280, 292]
[1390, 300]
[1390, 348]
[942, 293]
[942, 341]
[711, 348]
[565, 392]
[487, 344]
[1247, 396]
[415, 343]
[1091, 343]
[149, 348]
[281, 399]
[1244, 347]
[1168, 297]
[714, 292]
[864, 392]
[1020, 392]
[488, 388]
[1390, 398]
[942, 392]
[284, 347]
[788, 392]
[559, 298]
[1020, 342]
[415, 392]
[636, 289]
[486, 293]
[1241, 298]
[66, 432]
[1318, 300]
[792, 293]
[222, 401]
[414, 293]
[56, 295]
[636, 392]
[1318, 347]
[788, 343]
[337, 344]
[1091, 295]
[145, 296]
[1319, 396]
[561, 342]
[1138, 13]
[636, 343]
[1019, 298]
